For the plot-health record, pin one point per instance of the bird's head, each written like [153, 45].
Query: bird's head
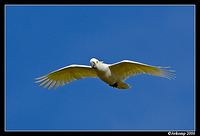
[94, 63]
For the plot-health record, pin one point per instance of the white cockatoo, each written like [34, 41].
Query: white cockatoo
[112, 74]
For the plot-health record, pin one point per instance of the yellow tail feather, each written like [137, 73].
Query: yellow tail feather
[122, 85]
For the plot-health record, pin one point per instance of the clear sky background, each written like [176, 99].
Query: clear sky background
[41, 39]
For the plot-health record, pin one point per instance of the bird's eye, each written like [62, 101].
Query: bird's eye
[96, 61]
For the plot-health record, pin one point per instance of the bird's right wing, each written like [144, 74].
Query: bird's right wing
[66, 75]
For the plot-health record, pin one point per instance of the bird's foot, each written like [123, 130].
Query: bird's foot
[114, 85]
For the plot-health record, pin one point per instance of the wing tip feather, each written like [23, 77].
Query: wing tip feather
[167, 73]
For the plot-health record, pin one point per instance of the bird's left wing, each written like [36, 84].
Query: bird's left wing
[66, 75]
[127, 68]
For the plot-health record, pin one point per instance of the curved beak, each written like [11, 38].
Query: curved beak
[93, 65]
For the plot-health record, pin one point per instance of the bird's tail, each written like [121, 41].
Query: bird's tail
[122, 85]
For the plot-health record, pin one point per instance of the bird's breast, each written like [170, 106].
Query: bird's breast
[106, 75]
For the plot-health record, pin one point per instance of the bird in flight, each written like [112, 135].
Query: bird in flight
[112, 74]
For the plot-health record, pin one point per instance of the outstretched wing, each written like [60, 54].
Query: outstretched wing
[66, 75]
[127, 68]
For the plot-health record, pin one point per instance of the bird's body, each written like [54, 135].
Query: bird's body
[112, 74]
[105, 74]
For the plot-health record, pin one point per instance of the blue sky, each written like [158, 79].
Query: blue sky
[41, 39]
